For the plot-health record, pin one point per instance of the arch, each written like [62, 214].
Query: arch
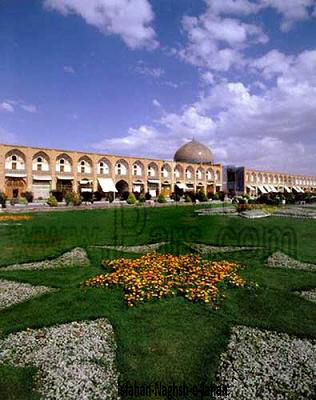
[84, 165]
[63, 163]
[40, 161]
[178, 172]
[152, 169]
[217, 176]
[189, 173]
[210, 174]
[121, 168]
[166, 170]
[200, 173]
[15, 160]
[104, 166]
[138, 168]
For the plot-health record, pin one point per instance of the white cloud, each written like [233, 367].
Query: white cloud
[216, 43]
[29, 108]
[69, 69]
[130, 19]
[291, 10]
[156, 103]
[6, 106]
[153, 72]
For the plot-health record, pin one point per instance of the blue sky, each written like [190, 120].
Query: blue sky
[141, 77]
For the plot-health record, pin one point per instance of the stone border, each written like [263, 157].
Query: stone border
[146, 248]
[74, 360]
[281, 260]
[209, 249]
[267, 365]
[309, 295]
[12, 292]
[77, 257]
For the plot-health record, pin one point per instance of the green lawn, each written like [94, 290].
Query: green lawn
[170, 340]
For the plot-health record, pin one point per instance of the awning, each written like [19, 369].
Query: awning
[107, 185]
[251, 187]
[138, 183]
[274, 189]
[262, 189]
[86, 190]
[267, 188]
[42, 178]
[65, 178]
[181, 186]
[153, 180]
[12, 175]
[300, 189]
[296, 189]
[287, 189]
[85, 181]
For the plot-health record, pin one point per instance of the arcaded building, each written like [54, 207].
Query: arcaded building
[41, 170]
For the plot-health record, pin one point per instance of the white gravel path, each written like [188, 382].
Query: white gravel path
[268, 365]
[281, 260]
[75, 361]
[16, 292]
[145, 248]
[309, 295]
[75, 258]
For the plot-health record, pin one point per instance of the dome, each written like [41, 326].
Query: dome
[194, 152]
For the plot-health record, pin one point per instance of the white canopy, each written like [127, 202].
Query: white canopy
[181, 186]
[153, 180]
[267, 188]
[42, 178]
[65, 178]
[12, 175]
[107, 185]
[300, 189]
[86, 190]
[262, 189]
[273, 188]
[287, 189]
[85, 181]
[251, 187]
[137, 188]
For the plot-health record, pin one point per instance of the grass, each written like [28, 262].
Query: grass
[170, 340]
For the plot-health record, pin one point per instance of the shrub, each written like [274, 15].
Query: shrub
[76, 199]
[68, 198]
[216, 196]
[201, 196]
[131, 199]
[14, 201]
[58, 195]
[161, 199]
[29, 196]
[110, 197]
[52, 201]
[142, 198]
[148, 196]
[187, 198]
[124, 195]
[23, 200]
[3, 199]
[175, 196]
[97, 196]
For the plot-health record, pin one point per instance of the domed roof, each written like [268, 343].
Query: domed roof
[194, 152]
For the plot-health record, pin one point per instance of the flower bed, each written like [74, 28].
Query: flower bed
[309, 295]
[15, 218]
[268, 365]
[74, 361]
[154, 276]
